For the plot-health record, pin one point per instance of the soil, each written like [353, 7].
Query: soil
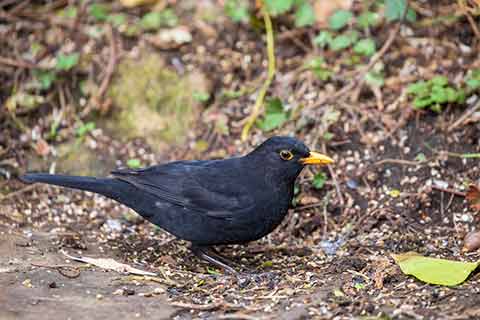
[396, 186]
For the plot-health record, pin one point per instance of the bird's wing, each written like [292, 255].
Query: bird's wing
[195, 185]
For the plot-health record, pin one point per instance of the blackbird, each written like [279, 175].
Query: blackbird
[208, 202]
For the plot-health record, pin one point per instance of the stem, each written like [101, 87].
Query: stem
[271, 73]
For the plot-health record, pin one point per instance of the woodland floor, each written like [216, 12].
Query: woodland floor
[330, 259]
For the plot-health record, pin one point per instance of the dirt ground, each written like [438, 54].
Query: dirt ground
[398, 185]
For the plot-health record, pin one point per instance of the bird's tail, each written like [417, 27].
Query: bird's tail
[109, 187]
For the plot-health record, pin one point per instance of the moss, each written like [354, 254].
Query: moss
[153, 102]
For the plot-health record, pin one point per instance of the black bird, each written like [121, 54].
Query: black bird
[208, 202]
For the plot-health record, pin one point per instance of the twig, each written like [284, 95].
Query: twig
[464, 117]
[95, 99]
[335, 180]
[19, 63]
[399, 161]
[18, 192]
[271, 73]
[61, 269]
[448, 190]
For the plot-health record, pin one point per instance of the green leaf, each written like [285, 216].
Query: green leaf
[420, 88]
[85, 128]
[67, 62]
[117, 19]
[98, 11]
[394, 9]
[70, 12]
[324, 38]
[275, 115]
[367, 19]
[273, 121]
[134, 163]
[319, 180]
[343, 41]
[375, 79]
[434, 271]
[276, 7]
[237, 10]
[422, 102]
[304, 15]
[365, 47]
[440, 81]
[473, 80]
[45, 78]
[156, 19]
[339, 19]
[200, 96]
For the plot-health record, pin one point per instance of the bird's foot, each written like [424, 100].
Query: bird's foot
[209, 254]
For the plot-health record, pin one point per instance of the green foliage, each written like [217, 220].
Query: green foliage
[434, 92]
[134, 163]
[319, 180]
[157, 19]
[368, 19]
[200, 96]
[323, 39]
[304, 15]
[340, 19]
[237, 10]
[117, 19]
[394, 10]
[69, 12]
[45, 78]
[344, 40]
[473, 80]
[67, 62]
[319, 68]
[276, 7]
[365, 47]
[375, 78]
[85, 128]
[275, 115]
[98, 11]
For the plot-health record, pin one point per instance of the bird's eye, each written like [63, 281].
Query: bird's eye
[286, 155]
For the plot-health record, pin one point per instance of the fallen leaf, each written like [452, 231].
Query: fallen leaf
[110, 264]
[171, 38]
[434, 270]
[135, 3]
[324, 9]
[473, 197]
[42, 148]
[472, 241]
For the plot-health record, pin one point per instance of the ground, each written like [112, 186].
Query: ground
[397, 185]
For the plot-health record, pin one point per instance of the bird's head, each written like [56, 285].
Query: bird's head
[287, 156]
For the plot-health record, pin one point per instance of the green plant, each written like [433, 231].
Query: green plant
[134, 163]
[237, 10]
[157, 19]
[67, 62]
[275, 115]
[434, 93]
[319, 68]
[473, 80]
[319, 180]
[85, 128]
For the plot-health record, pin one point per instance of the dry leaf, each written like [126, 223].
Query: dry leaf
[472, 241]
[42, 148]
[473, 197]
[110, 264]
[171, 38]
[135, 3]
[324, 9]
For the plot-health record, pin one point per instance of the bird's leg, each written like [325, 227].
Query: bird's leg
[205, 253]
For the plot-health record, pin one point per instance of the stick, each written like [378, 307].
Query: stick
[271, 73]
[464, 116]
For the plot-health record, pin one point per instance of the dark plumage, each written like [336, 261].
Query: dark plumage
[208, 203]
